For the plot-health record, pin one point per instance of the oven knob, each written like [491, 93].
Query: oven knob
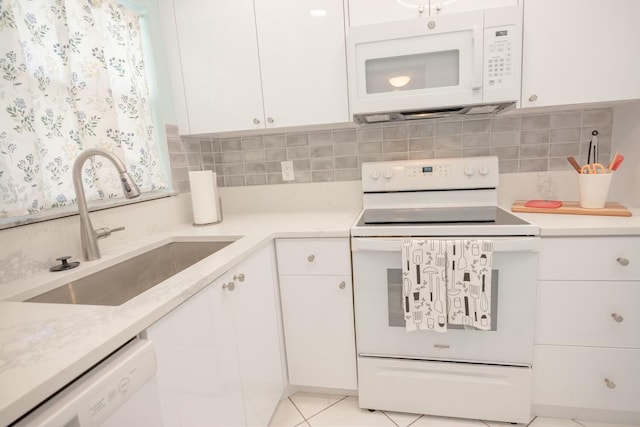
[374, 174]
[388, 173]
[469, 170]
[482, 169]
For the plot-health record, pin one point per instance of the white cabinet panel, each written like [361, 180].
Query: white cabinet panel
[579, 51]
[219, 360]
[302, 62]
[220, 65]
[590, 258]
[589, 313]
[319, 330]
[582, 377]
[314, 256]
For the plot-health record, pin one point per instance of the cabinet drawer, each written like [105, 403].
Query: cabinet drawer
[590, 258]
[314, 256]
[588, 313]
[585, 377]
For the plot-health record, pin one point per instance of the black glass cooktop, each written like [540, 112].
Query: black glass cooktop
[481, 215]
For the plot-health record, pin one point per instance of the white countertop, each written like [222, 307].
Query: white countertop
[45, 346]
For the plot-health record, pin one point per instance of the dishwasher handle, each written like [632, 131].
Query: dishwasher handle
[392, 244]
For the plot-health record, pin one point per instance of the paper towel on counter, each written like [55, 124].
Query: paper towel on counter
[204, 197]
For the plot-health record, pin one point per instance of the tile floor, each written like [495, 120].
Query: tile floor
[322, 410]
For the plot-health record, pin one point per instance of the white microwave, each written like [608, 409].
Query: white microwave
[463, 63]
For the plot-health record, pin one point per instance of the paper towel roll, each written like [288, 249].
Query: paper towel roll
[204, 197]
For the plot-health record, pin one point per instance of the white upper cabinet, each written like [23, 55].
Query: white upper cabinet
[580, 51]
[364, 12]
[256, 64]
[303, 61]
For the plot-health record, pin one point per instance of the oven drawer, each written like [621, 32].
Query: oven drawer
[601, 314]
[587, 377]
[326, 256]
[590, 258]
[447, 389]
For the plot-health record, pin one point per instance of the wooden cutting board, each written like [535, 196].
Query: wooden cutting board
[573, 208]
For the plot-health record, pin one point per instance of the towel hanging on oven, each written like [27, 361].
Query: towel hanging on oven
[446, 282]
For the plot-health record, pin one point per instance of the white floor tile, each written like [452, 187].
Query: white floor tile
[310, 404]
[431, 421]
[601, 424]
[553, 422]
[402, 419]
[286, 415]
[346, 413]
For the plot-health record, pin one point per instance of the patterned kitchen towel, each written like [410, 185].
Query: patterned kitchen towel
[424, 285]
[469, 283]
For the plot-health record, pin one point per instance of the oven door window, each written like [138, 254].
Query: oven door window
[395, 306]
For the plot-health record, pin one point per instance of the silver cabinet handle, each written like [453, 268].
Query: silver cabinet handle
[622, 261]
[342, 285]
[610, 384]
[617, 317]
[533, 98]
[311, 258]
[269, 119]
[239, 277]
[229, 286]
[256, 121]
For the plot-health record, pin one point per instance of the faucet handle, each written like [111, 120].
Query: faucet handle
[104, 232]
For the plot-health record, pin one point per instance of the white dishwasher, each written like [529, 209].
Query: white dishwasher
[119, 391]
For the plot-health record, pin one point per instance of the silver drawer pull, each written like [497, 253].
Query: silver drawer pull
[610, 384]
[342, 285]
[617, 317]
[310, 258]
[239, 277]
[622, 261]
[441, 346]
[229, 286]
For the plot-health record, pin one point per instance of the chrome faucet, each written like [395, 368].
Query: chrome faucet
[88, 236]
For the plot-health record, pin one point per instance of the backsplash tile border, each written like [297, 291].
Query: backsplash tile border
[534, 142]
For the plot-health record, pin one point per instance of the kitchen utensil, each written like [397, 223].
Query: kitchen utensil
[483, 320]
[593, 148]
[466, 277]
[484, 299]
[406, 288]
[467, 319]
[462, 262]
[615, 163]
[487, 245]
[406, 244]
[416, 296]
[430, 323]
[550, 204]
[574, 163]
[475, 311]
[438, 302]
[474, 291]
[417, 260]
[441, 321]
[573, 208]
[457, 303]
[475, 249]
[417, 318]
[440, 260]
[593, 168]
[483, 259]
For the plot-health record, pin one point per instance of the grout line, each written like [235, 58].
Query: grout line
[390, 419]
[577, 422]
[531, 422]
[415, 421]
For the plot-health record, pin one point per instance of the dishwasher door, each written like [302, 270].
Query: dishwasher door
[119, 391]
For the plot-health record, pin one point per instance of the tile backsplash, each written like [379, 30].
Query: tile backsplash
[522, 142]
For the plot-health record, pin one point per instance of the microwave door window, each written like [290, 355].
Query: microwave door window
[413, 72]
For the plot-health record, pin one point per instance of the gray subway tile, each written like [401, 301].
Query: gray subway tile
[369, 133]
[508, 166]
[476, 126]
[294, 153]
[254, 156]
[420, 130]
[564, 149]
[322, 164]
[559, 164]
[394, 132]
[452, 142]
[533, 165]
[232, 157]
[566, 119]
[235, 180]
[216, 146]
[347, 175]
[395, 156]
[341, 136]
[254, 168]
[504, 124]
[535, 136]
[320, 138]
[194, 159]
[233, 169]
[274, 141]
[181, 187]
[506, 153]
[369, 157]
[444, 154]
[321, 151]
[175, 145]
[398, 146]
[257, 179]
[205, 146]
[535, 122]
[448, 128]
[192, 146]
[234, 144]
[345, 149]
[302, 165]
[476, 141]
[303, 177]
[417, 155]
[180, 174]
[349, 162]
[322, 176]
[564, 135]
[600, 117]
[369, 147]
[207, 158]
[278, 154]
[474, 152]
[422, 144]
[252, 143]
[273, 167]
[275, 178]
[178, 159]
[535, 151]
[297, 139]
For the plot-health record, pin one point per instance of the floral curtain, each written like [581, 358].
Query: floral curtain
[72, 77]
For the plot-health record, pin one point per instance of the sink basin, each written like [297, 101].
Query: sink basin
[117, 284]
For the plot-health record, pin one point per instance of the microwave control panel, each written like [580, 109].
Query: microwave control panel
[499, 49]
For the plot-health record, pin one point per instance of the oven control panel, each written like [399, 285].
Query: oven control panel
[430, 174]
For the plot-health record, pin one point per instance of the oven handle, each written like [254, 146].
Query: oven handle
[501, 244]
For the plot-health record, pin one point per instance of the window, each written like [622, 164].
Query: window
[72, 77]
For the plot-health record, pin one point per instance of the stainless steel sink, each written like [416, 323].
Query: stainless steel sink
[117, 284]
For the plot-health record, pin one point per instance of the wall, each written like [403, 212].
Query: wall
[523, 143]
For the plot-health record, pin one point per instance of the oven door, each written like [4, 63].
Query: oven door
[380, 329]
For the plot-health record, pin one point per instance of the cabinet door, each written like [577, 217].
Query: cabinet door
[257, 333]
[198, 372]
[319, 330]
[302, 61]
[580, 51]
[219, 57]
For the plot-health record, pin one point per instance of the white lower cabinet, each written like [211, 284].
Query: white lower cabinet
[219, 353]
[587, 344]
[317, 310]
